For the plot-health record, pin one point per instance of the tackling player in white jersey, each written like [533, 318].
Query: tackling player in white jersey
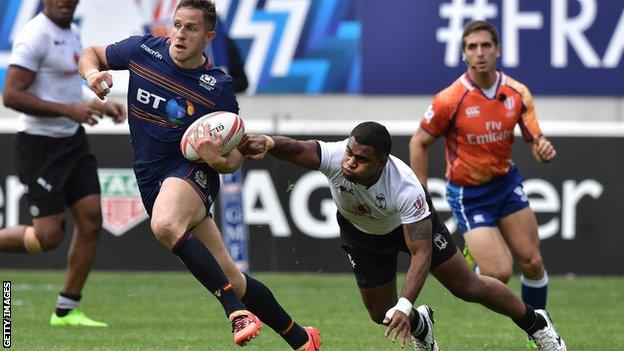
[383, 209]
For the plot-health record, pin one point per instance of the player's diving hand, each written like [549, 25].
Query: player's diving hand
[100, 82]
[82, 112]
[398, 326]
[254, 146]
[209, 149]
[543, 150]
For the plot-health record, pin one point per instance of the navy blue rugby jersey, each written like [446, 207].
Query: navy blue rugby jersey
[164, 99]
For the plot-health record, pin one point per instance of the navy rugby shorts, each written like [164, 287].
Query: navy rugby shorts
[199, 176]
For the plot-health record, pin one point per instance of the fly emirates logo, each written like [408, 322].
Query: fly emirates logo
[495, 133]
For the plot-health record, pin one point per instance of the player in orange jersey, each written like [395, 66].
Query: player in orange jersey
[477, 115]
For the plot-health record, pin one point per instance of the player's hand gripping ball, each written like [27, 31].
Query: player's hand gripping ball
[230, 125]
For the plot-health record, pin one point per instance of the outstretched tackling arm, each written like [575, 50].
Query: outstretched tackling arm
[301, 153]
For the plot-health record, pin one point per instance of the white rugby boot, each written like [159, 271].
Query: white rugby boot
[428, 343]
[547, 338]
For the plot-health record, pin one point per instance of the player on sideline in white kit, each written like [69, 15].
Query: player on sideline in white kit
[53, 156]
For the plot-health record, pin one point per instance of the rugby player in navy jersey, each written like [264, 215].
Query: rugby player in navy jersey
[171, 84]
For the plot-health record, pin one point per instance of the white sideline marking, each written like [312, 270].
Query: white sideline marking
[30, 287]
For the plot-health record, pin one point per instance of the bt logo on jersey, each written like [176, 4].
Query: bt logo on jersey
[147, 98]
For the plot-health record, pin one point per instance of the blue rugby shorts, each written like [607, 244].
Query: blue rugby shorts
[484, 205]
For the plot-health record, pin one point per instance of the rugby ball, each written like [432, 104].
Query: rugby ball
[230, 125]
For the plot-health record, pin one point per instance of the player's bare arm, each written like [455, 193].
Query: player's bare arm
[418, 145]
[110, 108]
[301, 153]
[92, 67]
[418, 240]
[543, 150]
[17, 96]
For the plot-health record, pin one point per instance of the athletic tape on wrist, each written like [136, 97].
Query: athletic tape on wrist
[404, 305]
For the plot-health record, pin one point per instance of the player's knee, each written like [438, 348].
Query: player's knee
[48, 238]
[532, 266]
[91, 223]
[377, 316]
[500, 273]
[376, 311]
[165, 230]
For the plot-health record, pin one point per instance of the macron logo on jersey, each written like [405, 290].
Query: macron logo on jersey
[151, 51]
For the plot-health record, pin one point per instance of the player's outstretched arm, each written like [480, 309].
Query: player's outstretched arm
[301, 153]
[418, 154]
[92, 66]
[418, 240]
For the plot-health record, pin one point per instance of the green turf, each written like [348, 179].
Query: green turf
[170, 311]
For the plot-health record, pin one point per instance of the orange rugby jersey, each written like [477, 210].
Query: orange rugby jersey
[479, 130]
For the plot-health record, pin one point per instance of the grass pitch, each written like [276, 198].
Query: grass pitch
[171, 311]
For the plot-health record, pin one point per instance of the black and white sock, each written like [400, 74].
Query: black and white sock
[66, 302]
[531, 321]
[419, 326]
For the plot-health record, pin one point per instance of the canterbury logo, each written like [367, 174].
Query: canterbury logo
[473, 111]
[509, 103]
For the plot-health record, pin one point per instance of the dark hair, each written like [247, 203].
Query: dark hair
[474, 26]
[207, 7]
[374, 135]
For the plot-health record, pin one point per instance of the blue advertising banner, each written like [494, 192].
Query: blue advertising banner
[287, 46]
[557, 47]
[233, 227]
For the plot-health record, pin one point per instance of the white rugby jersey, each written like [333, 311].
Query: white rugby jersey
[396, 198]
[52, 52]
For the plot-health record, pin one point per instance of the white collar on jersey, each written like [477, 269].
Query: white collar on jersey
[491, 91]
